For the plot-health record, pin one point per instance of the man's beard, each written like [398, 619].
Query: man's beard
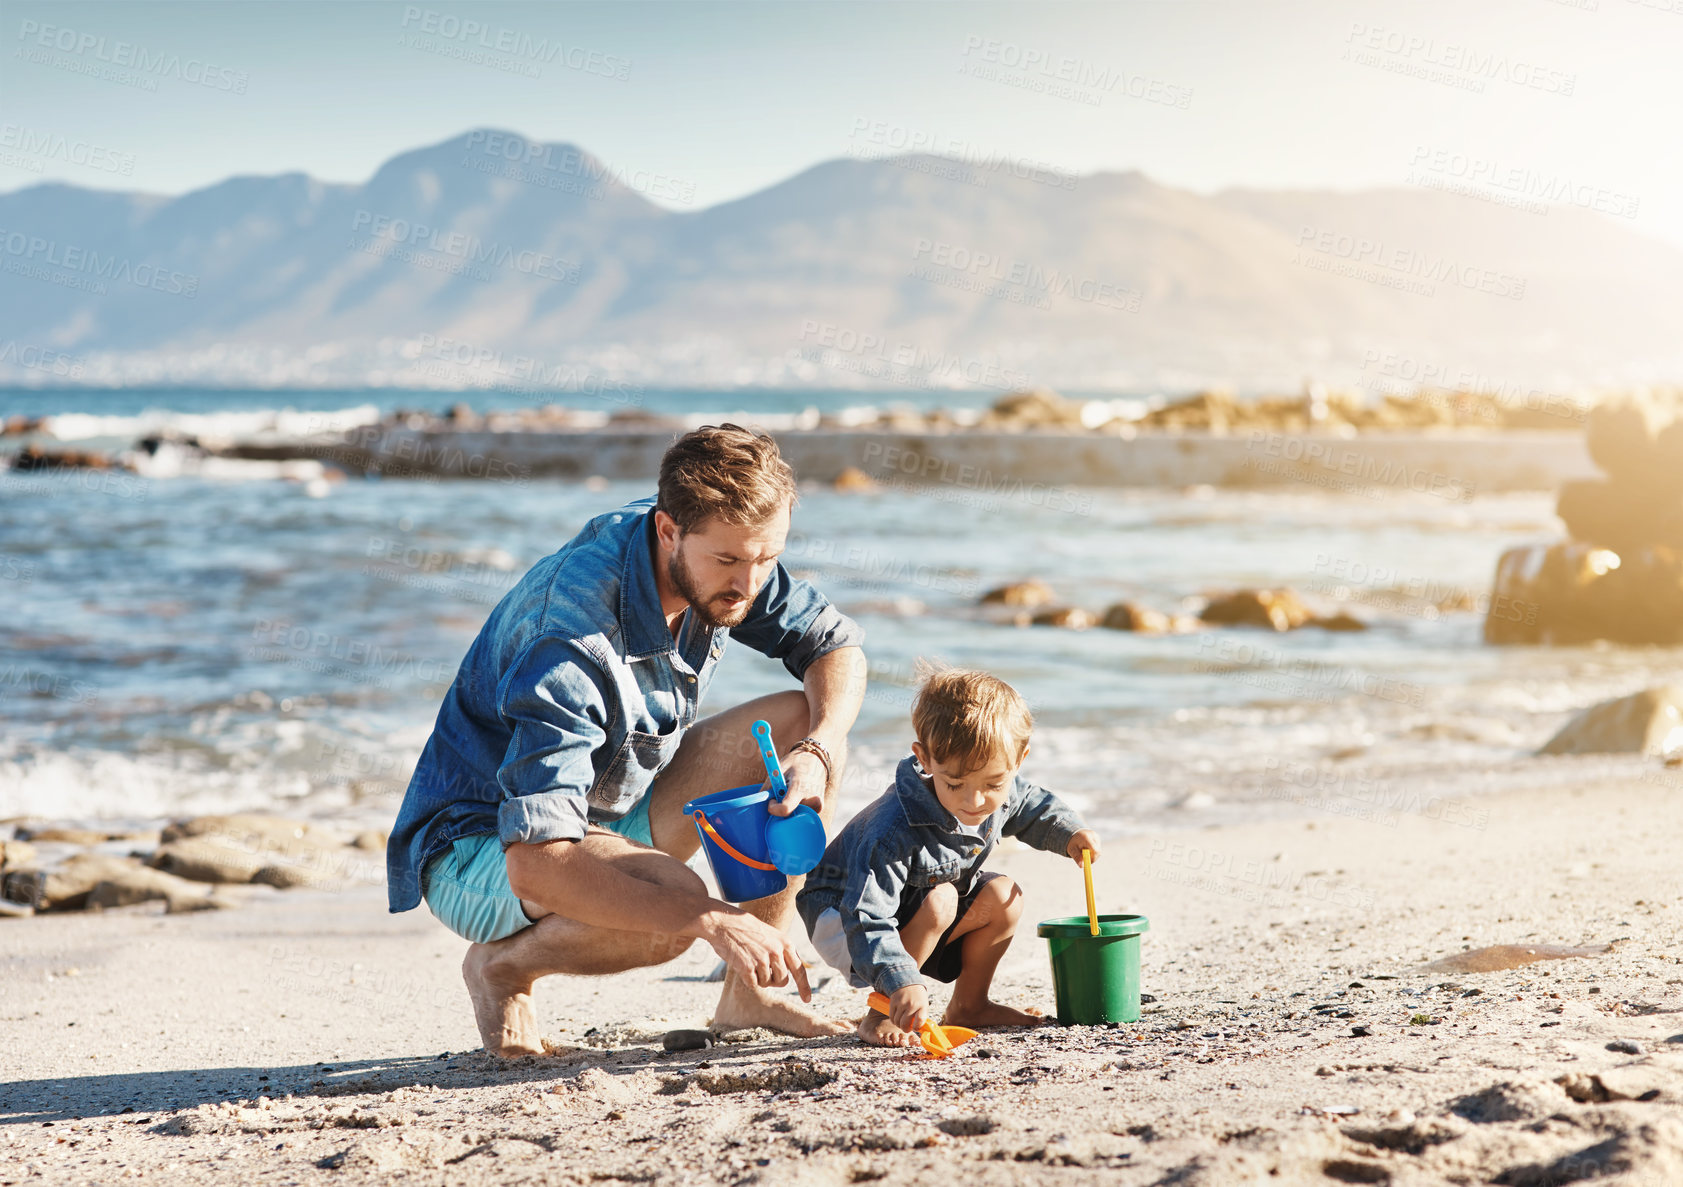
[710, 610]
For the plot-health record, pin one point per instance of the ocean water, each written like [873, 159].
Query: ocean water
[262, 639]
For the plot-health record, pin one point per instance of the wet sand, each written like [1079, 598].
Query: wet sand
[311, 1037]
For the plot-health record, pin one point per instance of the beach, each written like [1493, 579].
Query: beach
[311, 1037]
[1248, 450]
[1308, 817]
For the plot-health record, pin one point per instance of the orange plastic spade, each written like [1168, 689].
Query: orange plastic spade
[938, 1041]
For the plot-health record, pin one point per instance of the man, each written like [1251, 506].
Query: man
[543, 822]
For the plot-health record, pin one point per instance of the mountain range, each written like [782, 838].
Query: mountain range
[489, 258]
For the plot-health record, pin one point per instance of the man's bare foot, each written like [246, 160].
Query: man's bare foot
[877, 1030]
[989, 1013]
[501, 1007]
[743, 1007]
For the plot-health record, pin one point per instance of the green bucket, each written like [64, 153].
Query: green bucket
[1096, 978]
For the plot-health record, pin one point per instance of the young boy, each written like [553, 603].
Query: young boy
[900, 893]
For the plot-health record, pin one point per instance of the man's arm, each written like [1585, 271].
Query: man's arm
[554, 703]
[835, 688]
[820, 646]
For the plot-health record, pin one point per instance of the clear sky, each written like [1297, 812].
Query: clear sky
[719, 99]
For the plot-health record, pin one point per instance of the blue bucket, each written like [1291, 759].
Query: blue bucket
[737, 818]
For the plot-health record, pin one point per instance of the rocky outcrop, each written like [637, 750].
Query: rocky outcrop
[1572, 593]
[141, 885]
[33, 457]
[20, 426]
[208, 859]
[1034, 408]
[266, 849]
[66, 886]
[1647, 722]
[185, 863]
[1314, 410]
[853, 480]
[252, 829]
[1619, 516]
[1130, 616]
[85, 836]
[1620, 576]
[1628, 439]
[1025, 594]
[1271, 609]
[15, 854]
[1070, 617]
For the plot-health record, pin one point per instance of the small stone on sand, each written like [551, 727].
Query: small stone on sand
[687, 1040]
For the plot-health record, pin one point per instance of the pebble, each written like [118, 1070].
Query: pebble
[1625, 1047]
[688, 1040]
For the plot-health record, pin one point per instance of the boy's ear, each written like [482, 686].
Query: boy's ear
[922, 755]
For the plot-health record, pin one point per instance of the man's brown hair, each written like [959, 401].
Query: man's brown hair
[969, 716]
[724, 472]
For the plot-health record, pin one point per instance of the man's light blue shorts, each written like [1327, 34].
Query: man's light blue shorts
[467, 885]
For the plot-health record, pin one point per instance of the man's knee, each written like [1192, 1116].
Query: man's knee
[664, 870]
[524, 864]
[675, 875]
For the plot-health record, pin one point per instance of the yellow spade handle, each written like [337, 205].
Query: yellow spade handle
[1092, 906]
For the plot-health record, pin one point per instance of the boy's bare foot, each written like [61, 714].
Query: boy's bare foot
[877, 1030]
[502, 1008]
[990, 1013]
[744, 1007]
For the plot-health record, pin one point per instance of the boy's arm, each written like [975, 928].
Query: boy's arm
[867, 908]
[1041, 819]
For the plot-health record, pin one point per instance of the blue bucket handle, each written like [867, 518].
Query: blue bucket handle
[726, 847]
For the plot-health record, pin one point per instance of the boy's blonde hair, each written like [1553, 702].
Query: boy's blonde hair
[970, 716]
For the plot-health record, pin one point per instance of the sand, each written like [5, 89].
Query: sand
[312, 1038]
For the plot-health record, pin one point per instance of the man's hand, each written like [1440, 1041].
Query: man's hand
[1085, 839]
[908, 1007]
[805, 774]
[761, 955]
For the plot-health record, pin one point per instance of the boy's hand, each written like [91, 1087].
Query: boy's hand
[1085, 839]
[908, 1007]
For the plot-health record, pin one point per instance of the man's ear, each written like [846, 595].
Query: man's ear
[666, 531]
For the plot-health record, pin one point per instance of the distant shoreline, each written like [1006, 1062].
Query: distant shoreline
[1454, 465]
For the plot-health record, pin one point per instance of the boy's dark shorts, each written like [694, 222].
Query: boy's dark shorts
[947, 961]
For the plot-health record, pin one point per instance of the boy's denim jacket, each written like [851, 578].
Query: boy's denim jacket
[907, 840]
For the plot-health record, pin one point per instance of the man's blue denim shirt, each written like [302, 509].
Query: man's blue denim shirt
[575, 696]
[906, 842]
